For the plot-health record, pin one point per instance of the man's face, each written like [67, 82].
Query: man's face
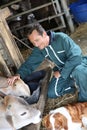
[40, 41]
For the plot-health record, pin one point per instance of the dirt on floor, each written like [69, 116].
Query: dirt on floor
[80, 37]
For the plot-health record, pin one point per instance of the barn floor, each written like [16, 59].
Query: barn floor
[80, 37]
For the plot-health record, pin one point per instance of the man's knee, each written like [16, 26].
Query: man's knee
[51, 94]
[51, 88]
[77, 71]
[82, 95]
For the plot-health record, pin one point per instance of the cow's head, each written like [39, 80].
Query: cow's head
[19, 88]
[22, 113]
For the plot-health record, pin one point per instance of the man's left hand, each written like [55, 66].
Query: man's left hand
[57, 74]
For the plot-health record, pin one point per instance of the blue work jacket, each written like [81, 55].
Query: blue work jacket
[62, 50]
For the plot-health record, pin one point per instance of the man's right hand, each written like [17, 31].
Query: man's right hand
[12, 79]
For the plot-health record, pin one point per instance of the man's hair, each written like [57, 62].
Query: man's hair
[35, 26]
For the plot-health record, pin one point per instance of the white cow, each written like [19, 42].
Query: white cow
[16, 113]
[19, 88]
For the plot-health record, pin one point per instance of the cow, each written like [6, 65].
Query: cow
[69, 117]
[16, 113]
[19, 88]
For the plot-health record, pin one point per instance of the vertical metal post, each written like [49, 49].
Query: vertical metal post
[67, 15]
[58, 10]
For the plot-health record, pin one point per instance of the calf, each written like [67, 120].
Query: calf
[70, 117]
[16, 113]
[19, 88]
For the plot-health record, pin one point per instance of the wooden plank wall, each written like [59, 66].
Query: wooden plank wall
[9, 45]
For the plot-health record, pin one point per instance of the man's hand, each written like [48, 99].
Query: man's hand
[56, 74]
[12, 79]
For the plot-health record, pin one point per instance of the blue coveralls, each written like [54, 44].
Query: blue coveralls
[68, 59]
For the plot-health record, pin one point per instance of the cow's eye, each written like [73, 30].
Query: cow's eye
[23, 114]
[14, 84]
[9, 106]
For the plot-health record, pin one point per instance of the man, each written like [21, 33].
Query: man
[70, 65]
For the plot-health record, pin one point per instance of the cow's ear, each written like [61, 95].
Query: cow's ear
[6, 100]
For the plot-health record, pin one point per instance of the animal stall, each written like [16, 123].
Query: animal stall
[51, 14]
[10, 57]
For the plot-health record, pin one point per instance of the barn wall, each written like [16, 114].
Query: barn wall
[8, 49]
[52, 14]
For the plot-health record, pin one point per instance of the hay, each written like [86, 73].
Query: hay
[60, 101]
